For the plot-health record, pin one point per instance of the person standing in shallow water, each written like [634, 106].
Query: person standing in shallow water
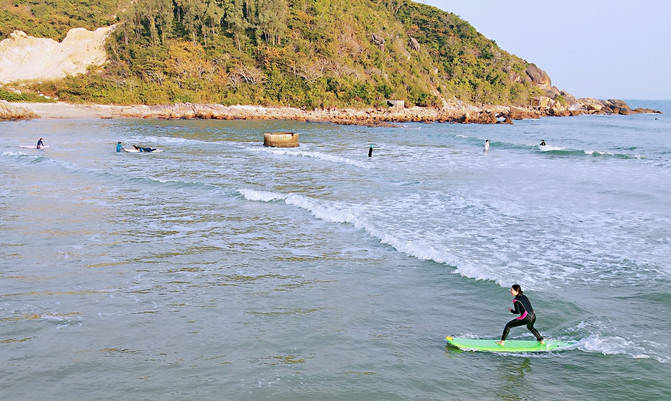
[527, 316]
[486, 145]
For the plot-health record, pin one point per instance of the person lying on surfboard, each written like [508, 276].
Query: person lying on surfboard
[143, 149]
[527, 315]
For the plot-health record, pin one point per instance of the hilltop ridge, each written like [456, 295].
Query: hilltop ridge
[298, 53]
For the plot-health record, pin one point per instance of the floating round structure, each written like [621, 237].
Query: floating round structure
[280, 139]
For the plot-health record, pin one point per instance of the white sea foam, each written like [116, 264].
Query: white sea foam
[436, 227]
[262, 196]
[482, 273]
[549, 148]
[592, 152]
[15, 154]
[311, 154]
[606, 344]
[336, 212]
[614, 345]
[341, 213]
[165, 140]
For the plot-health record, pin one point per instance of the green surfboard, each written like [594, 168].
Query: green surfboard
[476, 344]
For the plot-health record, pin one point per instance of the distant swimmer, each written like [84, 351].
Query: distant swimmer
[142, 149]
[543, 142]
[527, 316]
[486, 145]
[40, 144]
[119, 147]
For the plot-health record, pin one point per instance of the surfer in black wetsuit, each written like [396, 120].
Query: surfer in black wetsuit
[141, 149]
[40, 143]
[542, 142]
[527, 316]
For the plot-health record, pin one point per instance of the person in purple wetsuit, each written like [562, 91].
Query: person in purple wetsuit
[526, 315]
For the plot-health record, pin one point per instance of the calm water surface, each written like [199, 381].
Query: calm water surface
[220, 269]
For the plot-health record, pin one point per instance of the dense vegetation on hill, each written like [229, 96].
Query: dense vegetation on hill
[305, 53]
[53, 18]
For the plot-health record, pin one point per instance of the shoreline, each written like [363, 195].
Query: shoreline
[454, 113]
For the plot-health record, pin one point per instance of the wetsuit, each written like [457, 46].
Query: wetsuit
[119, 147]
[141, 149]
[527, 317]
[40, 144]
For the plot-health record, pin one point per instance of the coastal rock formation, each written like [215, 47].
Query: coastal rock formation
[9, 111]
[538, 76]
[455, 112]
[591, 105]
[24, 57]
[610, 106]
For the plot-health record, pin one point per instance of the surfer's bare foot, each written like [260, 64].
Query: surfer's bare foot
[501, 342]
[542, 341]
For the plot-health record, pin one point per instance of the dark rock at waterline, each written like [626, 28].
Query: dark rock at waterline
[517, 113]
[619, 103]
[644, 110]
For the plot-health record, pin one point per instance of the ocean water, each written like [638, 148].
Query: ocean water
[220, 269]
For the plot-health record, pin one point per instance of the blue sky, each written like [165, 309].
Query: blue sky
[590, 48]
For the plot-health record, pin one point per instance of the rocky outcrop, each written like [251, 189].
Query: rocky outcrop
[645, 110]
[457, 112]
[559, 103]
[610, 106]
[519, 113]
[24, 57]
[591, 105]
[538, 76]
[413, 43]
[9, 111]
[377, 40]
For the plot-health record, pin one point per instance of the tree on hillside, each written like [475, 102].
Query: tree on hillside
[213, 16]
[191, 15]
[235, 19]
[272, 16]
[154, 19]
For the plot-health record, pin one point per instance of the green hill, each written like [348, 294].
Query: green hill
[304, 53]
[53, 18]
